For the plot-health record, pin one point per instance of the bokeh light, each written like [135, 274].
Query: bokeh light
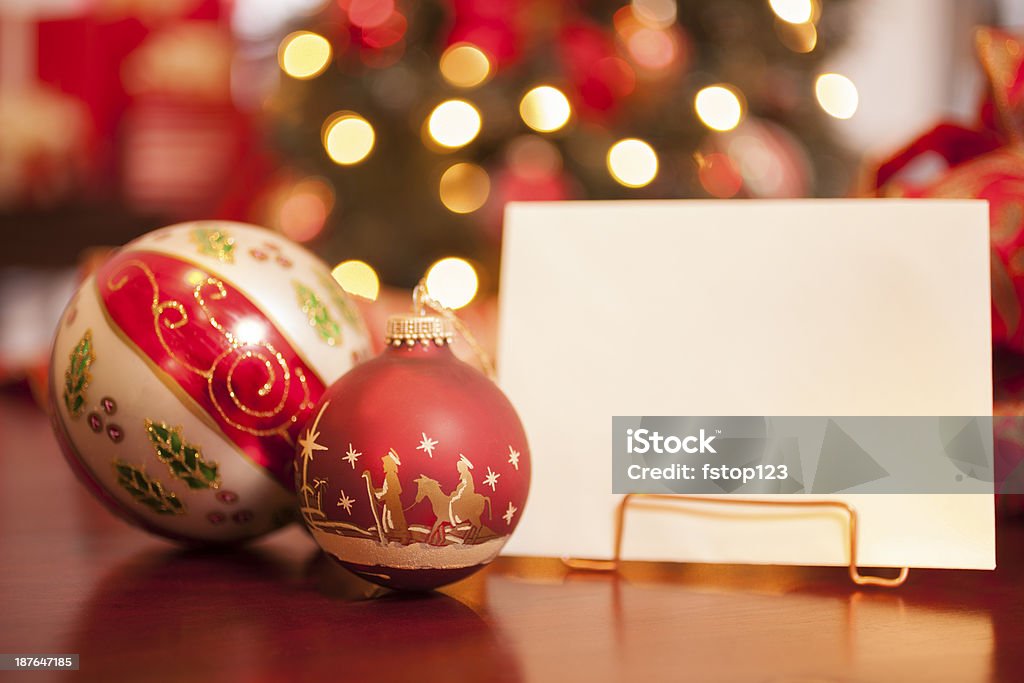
[304, 54]
[632, 162]
[652, 48]
[464, 188]
[802, 38]
[545, 109]
[793, 11]
[837, 95]
[303, 212]
[718, 175]
[533, 158]
[465, 65]
[454, 123]
[369, 13]
[386, 35]
[357, 277]
[348, 138]
[452, 282]
[652, 44]
[719, 107]
[655, 13]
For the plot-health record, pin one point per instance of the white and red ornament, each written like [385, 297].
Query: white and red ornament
[185, 369]
[415, 469]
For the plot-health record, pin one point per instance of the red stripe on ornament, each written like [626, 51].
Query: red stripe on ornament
[219, 348]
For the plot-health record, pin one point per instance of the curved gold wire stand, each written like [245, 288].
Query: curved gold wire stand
[669, 503]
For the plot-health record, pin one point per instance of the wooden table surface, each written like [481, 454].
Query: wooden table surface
[76, 580]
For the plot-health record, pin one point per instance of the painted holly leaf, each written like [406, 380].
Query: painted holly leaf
[216, 243]
[185, 460]
[319, 317]
[147, 491]
[77, 376]
[342, 302]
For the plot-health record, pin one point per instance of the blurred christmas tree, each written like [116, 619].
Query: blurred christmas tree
[408, 125]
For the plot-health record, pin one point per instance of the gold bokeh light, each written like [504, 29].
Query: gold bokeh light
[793, 11]
[452, 282]
[348, 138]
[655, 13]
[719, 107]
[357, 277]
[837, 95]
[304, 55]
[802, 38]
[464, 188]
[465, 65]
[632, 162]
[545, 109]
[454, 123]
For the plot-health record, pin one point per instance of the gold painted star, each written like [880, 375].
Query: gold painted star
[346, 502]
[491, 479]
[308, 442]
[427, 445]
[351, 456]
[509, 513]
[513, 457]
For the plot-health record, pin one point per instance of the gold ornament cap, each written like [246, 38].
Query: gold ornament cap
[410, 329]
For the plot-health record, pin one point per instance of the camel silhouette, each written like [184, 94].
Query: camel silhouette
[467, 508]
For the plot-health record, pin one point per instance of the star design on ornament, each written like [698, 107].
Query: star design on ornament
[513, 457]
[491, 479]
[346, 502]
[351, 455]
[427, 445]
[308, 442]
[509, 513]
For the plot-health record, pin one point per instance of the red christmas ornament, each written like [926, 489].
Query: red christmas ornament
[415, 470]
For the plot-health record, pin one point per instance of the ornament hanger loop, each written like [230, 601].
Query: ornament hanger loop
[420, 296]
[422, 302]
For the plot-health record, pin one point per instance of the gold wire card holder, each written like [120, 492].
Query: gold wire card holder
[683, 504]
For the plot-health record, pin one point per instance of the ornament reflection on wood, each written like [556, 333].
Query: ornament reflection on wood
[184, 371]
[415, 470]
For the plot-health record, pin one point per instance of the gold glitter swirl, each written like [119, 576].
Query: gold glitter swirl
[158, 308]
[236, 358]
[177, 308]
[240, 357]
[278, 373]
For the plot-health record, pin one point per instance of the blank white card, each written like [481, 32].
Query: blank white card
[806, 307]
